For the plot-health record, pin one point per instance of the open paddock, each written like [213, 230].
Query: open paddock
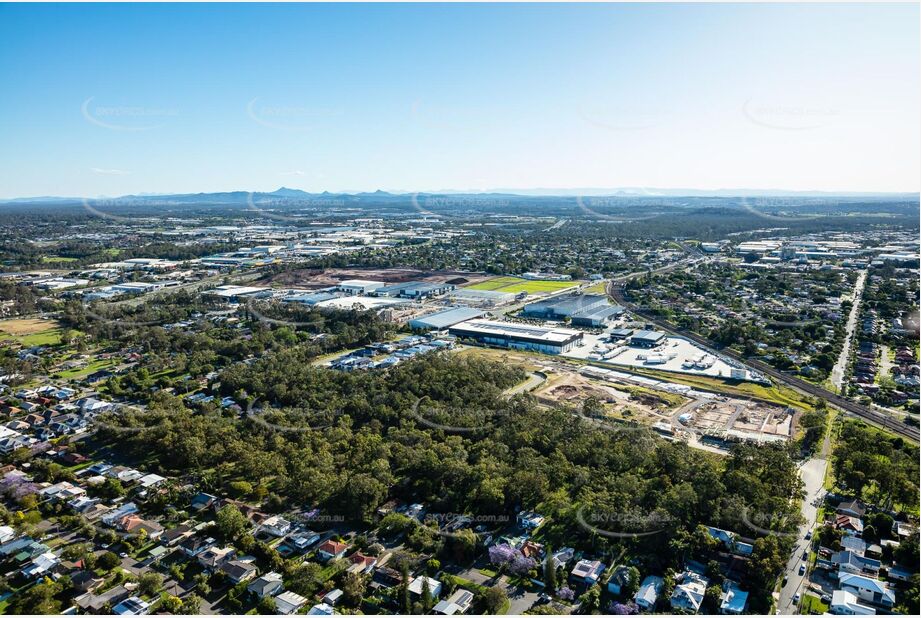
[515, 285]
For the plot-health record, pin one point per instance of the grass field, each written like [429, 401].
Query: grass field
[26, 326]
[779, 394]
[515, 285]
[597, 288]
[514, 357]
[57, 259]
[30, 332]
[85, 371]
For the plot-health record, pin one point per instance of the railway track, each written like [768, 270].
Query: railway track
[616, 291]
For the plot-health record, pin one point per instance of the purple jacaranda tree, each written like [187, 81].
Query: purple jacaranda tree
[623, 609]
[521, 564]
[566, 593]
[501, 554]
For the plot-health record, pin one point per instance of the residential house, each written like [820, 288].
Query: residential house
[619, 580]
[62, 492]
[852, 562]
[238, 571]
[267, 585]
[850, 525]
[385, 578]
[135, 525]
[86, 581]
[289, 603]
[853, 544]
[331, 550]
[82, 504]
[562, 556]
[202, 501]
[113, 517]
[899, 573]
[194, 545]
[852, 508]
[867, 589]
[151, 480]
[690, 588]
[417, 584]
[457, 603]
[733, 600]
[303, 539]
[361, 563]
[844, 603]
[902, 529]
[332, 597]
[176, 535]
[132, 606]
[276, 525]
[97, 603]
[530, 549]
[646, 597]
[40, 566]
[321, 609]
[213, 557]
[530, 520]
[730, 541]
[97, 511]
[587, 572]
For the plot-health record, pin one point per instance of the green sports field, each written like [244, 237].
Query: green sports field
[517, 284]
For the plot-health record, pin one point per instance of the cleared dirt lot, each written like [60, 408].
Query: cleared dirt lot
[624, 402]
[742, 418]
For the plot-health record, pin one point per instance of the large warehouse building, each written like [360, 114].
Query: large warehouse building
[647, 338]
[565, 306]
[444, 319]
[582, 309]
[518, 336]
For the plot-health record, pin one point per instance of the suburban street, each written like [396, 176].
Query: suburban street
[813, 474]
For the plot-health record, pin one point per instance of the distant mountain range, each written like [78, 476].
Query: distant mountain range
[234, 197]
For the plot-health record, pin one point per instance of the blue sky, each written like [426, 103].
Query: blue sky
[114, 99]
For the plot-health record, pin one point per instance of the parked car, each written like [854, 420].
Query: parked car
[796, 598]
[802, 569]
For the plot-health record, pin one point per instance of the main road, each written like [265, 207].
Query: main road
[812, 472]
[840, 368]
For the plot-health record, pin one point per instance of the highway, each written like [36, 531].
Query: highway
[617, 292]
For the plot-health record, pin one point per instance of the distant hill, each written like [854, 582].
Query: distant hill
[379, 196]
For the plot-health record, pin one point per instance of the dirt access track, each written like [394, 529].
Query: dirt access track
[324, 278]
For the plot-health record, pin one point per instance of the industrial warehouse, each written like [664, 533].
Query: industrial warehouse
[549, 340]
[591, 310]
[444, 319]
